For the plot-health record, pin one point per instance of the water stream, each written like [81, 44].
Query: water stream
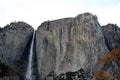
[29, 67]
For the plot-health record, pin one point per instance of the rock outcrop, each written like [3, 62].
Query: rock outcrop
[64, 49]
[111, 34]
[69, 44]
[80, 74]
[13, 42]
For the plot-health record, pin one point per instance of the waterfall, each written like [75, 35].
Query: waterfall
[29, 67]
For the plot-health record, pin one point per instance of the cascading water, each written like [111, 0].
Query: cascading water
[29, 67]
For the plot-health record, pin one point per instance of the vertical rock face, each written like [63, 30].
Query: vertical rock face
[13, 40]
[112, 36]
[69, 44]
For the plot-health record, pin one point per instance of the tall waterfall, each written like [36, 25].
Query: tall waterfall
[29, 67]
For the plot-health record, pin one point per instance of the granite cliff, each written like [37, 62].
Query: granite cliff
[111, 61]
[69, 44]
[64, 49]
[111, 34]
[14, 39]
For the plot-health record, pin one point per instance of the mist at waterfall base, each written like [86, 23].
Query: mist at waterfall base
[29, 67]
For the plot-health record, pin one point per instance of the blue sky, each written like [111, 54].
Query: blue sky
[35, 12]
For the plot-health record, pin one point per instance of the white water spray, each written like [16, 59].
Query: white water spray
[29, 67]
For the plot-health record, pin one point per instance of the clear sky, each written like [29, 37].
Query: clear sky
[34, 12]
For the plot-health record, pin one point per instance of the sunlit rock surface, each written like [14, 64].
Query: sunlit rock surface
[69, 44]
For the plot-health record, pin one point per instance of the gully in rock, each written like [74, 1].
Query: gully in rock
[29, 67]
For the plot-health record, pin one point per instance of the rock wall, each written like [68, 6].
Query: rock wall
[112, 36]
[69, 44]
[62, 47]
[13, 42]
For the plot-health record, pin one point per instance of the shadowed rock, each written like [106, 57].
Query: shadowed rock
[112, 36]
[14, 39]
